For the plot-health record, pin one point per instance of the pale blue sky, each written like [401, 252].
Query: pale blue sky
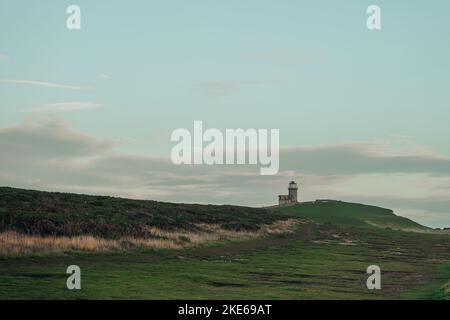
[310, 68]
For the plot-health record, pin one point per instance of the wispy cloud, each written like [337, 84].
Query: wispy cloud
[49, 139]
[3, 57]
[65, 106]
[44, 84]
[103, 76]
[361, 158]
[219, 88]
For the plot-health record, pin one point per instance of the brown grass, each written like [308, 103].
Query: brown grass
[13, 243]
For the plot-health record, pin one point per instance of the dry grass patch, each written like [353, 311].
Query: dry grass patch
[13, 243]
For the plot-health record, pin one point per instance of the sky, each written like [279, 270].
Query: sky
[363, 115]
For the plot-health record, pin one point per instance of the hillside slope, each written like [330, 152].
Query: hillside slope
[48, 213]
[351, 214]
[64, 214]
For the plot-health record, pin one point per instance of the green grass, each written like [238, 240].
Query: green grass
[350, 214]
[275, 268]
[436, 290]
[325, 258]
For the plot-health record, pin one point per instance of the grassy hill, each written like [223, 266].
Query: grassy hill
[325, 256]
[351, 214]
[64, 214]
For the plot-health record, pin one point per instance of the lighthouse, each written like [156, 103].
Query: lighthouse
[293, 192]
[291, 198]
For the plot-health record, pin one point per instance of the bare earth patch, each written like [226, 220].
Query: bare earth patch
[13, 243]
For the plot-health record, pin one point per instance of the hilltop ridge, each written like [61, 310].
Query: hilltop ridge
[54, 213]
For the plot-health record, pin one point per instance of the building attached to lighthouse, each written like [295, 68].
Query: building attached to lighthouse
[291, 198]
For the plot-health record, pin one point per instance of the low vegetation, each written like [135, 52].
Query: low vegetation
[59, 214]
[13, 243]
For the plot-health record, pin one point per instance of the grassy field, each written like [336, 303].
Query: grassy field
[324, 258]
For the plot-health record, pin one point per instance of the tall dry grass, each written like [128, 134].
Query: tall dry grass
[13, 243]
